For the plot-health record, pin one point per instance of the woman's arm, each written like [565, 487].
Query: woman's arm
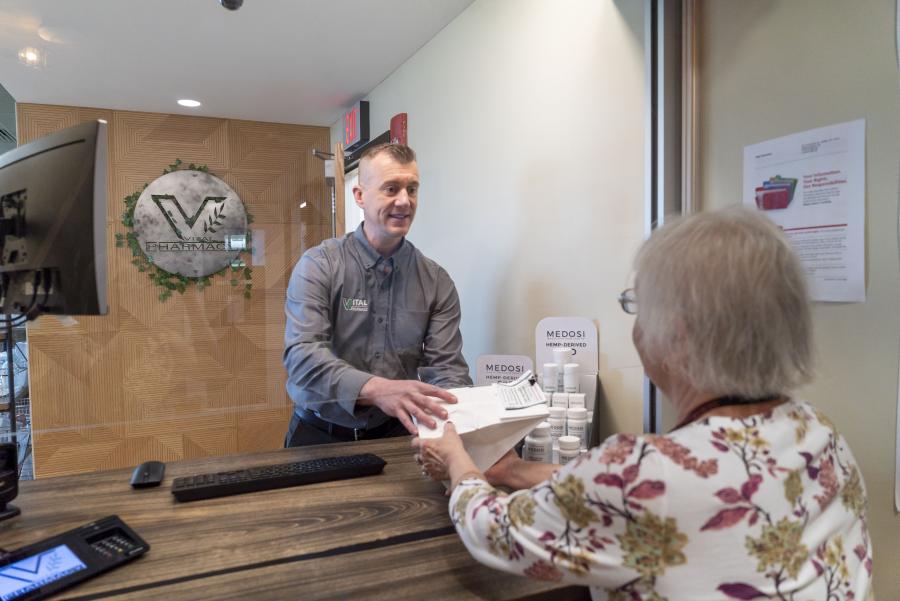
[445, 458]
[515, 473]
[563, 524]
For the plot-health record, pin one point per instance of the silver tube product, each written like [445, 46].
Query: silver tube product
[569, 449]
[576, 424]
[538, 444]
[551, 375]
[571, 377]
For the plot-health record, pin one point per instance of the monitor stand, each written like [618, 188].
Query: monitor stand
[10, 511]
[9, 451]
[9, 480]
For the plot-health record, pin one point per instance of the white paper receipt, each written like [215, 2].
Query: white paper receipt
[522, 393]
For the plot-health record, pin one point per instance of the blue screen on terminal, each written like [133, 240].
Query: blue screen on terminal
[26, 575]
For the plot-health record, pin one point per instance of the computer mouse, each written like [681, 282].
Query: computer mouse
[147, 474]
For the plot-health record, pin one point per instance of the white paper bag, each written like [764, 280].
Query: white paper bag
[487, 430]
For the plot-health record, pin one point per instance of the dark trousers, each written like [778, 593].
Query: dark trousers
[308, 430]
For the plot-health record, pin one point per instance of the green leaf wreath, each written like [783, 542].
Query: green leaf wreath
[174, 282]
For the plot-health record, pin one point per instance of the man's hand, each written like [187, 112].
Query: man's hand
[405, 400]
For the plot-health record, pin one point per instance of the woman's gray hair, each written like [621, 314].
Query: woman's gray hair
[722, 303]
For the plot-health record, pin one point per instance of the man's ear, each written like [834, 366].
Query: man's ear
[357, 196]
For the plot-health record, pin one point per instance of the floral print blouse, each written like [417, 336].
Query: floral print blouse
[769, 506]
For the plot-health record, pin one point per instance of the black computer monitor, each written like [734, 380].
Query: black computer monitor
[53, 224]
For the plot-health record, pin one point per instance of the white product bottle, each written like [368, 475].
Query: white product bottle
[557, 422]
[560, 399]
[571, 377]
[576, 424]
[551, 375]
[561, 357]
[538, 444]
[569, 449]
[576, 399]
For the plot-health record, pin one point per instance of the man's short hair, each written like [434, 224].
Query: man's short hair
[401, 153]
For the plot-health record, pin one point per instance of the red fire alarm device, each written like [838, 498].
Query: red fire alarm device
[398, 128]
[356, 126]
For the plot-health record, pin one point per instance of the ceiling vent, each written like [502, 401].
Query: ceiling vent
[6, 137]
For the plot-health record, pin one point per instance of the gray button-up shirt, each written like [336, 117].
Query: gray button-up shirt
[352, 314]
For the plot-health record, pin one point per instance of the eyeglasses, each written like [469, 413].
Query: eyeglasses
[628, 301]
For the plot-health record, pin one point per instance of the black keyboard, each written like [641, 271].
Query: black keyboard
[207, 486]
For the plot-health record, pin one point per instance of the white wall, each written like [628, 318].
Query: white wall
[527, 117]
[772, 68]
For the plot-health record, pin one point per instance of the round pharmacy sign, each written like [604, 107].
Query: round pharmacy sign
[190, 223]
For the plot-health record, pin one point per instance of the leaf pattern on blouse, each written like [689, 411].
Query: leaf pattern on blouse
[462, 502]
[618, 449]
[801, 428]
[651, 543]
[682, 456]
[852, 495]
[541, 570]
[779, 549]
[649, 517]
[569, 498]
[521, 511]
[793, 487]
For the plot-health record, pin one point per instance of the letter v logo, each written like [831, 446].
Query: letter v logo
[181, 224]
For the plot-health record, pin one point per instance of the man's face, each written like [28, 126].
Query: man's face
[387, 193]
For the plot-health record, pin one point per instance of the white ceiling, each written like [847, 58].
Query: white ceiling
[288, 61]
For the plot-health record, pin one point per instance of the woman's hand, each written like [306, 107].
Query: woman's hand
[445, 457]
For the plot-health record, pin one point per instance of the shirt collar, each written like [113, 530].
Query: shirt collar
[370, 256]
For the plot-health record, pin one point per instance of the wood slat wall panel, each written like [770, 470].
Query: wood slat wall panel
[199, 375]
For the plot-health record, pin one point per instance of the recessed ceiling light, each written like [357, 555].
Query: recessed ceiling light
[31, 57]
[189, 103]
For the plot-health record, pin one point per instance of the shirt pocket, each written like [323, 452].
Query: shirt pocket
[410, 327]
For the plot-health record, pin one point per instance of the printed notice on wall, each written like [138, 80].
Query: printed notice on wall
[813, 185]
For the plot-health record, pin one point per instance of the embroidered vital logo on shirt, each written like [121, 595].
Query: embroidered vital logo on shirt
[355, 304]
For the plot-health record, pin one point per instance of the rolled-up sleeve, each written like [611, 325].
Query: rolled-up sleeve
[443, 341]
[308, 354]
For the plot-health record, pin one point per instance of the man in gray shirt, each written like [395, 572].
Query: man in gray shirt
[369, 317]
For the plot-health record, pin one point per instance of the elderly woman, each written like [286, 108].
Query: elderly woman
[754, 494]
